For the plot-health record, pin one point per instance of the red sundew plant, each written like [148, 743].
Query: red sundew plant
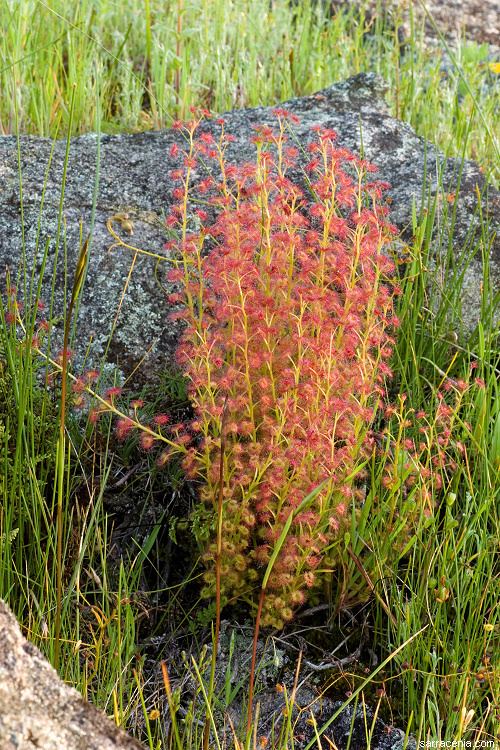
[288, 322]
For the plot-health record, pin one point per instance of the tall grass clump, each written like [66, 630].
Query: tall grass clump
[449, 577]
[73, 598]
[28, 425]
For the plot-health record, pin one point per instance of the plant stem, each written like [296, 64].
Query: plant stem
[61, 447]
[251, 681]
[215, 643]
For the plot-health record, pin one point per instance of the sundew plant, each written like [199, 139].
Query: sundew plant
[287, 299]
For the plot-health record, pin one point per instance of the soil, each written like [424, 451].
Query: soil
[475, 20]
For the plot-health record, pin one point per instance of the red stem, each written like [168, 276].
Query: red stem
[254, 660]
[218, 554]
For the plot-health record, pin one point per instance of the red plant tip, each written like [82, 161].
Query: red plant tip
[78, 385]
[123, 428]
[91, 376]
[163, 459]
[309, 579]
[161, 419]
[137, 403]
[94, 415]
[112, 393]
[147, 441]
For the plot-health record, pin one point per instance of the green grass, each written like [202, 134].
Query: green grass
[449, 579]
[143, 64]
[434, 592]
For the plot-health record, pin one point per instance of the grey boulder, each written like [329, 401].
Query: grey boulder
[125, 290]
[38, 710]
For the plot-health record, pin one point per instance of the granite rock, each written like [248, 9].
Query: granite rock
[37, 709]
[474, 20]
[133, 179]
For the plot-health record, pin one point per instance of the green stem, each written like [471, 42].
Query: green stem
[61, 447]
